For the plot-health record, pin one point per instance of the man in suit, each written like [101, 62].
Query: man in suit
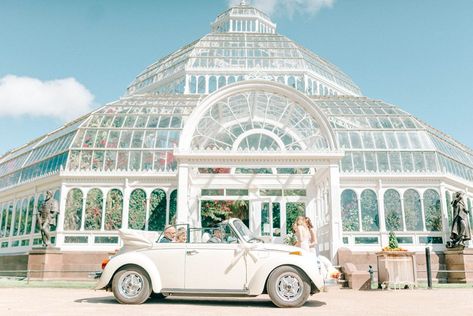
[169, 234]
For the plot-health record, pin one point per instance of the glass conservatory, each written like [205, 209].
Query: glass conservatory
[241, 123]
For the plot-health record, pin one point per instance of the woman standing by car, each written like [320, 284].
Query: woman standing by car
[313, 235]
[302, 233]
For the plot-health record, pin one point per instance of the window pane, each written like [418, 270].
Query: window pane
[114, 210]
[93, 210]
[433, 215]
[412, 210]
[157, 211]
[393, 212]
[137, 210]
[349, 205]
[73, 214]
[369, 211]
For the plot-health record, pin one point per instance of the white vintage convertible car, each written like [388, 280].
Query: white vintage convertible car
[234, 264]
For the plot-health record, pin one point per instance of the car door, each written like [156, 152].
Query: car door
[215, 267]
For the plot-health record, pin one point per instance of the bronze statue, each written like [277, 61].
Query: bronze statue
[47, 217]
[460, 227]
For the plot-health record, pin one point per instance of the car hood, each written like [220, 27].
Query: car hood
[279, 247]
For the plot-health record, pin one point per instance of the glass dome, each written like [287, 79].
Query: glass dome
[243, 45]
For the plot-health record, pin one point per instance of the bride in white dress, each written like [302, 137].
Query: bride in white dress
[302, 233]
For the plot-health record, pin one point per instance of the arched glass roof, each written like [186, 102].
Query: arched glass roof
[258, 120]
[243, 45]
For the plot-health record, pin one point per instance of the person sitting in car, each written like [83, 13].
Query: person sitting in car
[181, 235]
[217, 236]
[169, 234]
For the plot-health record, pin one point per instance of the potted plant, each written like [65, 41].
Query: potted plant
[396, 265]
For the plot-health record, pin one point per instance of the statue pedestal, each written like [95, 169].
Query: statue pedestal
[460, 261]
[45, 263]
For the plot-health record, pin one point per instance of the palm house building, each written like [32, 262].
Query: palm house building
[243, 122]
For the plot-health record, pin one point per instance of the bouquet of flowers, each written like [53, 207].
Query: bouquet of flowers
[290, 239]
[393, 244]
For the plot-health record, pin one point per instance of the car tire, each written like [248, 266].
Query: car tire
[131, 285]
[288, 287]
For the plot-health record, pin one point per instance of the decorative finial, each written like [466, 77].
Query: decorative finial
[243, 2]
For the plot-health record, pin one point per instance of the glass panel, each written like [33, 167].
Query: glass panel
[369, 211]
[135, 160]
[355, 140]
[93, 210]
[125, 139]
[122, 160]
[395, 161]
[137, 209]
[412, 210]
[392, 209]
[173, 207]
[213, 212]
[293, 210]
[407, 161]
[358, 161]
[137, 141]
[73, 215]
[379, 140]
[29, 224]
[367, 240]
[97, 161]
[430, 240]
[405, 240]
[270, 192]
[110, 160]
[215, 192]
[236, 192]
[347, 163]
[114, 210]
[383, 164]
[349, 205]
[448, 198]
[113, 138]
[433, 213]
[157, 211]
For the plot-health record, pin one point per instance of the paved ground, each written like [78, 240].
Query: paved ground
[56, 301]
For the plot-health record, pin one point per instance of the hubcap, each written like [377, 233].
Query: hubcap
[130, 284]
[288, 287]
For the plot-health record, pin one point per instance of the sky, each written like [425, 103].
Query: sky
[61, 59]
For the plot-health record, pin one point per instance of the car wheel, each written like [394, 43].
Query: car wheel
[131, 286]
[287, 287]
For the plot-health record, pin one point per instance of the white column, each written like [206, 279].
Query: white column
[182, 194]
[104, 207]
[444, 209]
[382, 214]
[126, 204]
[168, 203]
[255, 211]
[335, 211]
[61, 216]
[85, 192]
[403, 211]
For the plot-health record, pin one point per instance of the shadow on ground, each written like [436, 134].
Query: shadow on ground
[227, 302]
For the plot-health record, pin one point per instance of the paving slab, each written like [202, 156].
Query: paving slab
[64, 301]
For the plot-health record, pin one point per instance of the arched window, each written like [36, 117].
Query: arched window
[73, 213]
[172, 207]
[9, 221]
[212, 84]
[412, 210]
[201, 85]
[93, 210]
[137, 209]
[24, 217]
[369, 211]
[222, 82]
[433, 214]
[192, 85]
[350, 211]
[30, 215]
[393, 211]
[3, 220]
[157, 210]
[114, 210]
[448, 198]
[16, 221]
[291, 81]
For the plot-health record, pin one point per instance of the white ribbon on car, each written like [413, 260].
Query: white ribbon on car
[244, 251]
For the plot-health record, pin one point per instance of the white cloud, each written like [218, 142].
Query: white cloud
[288, 7]
[62, 98]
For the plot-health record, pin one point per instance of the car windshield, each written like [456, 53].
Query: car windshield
[244, 231]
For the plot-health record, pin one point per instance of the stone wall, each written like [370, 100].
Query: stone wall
[362, 260]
